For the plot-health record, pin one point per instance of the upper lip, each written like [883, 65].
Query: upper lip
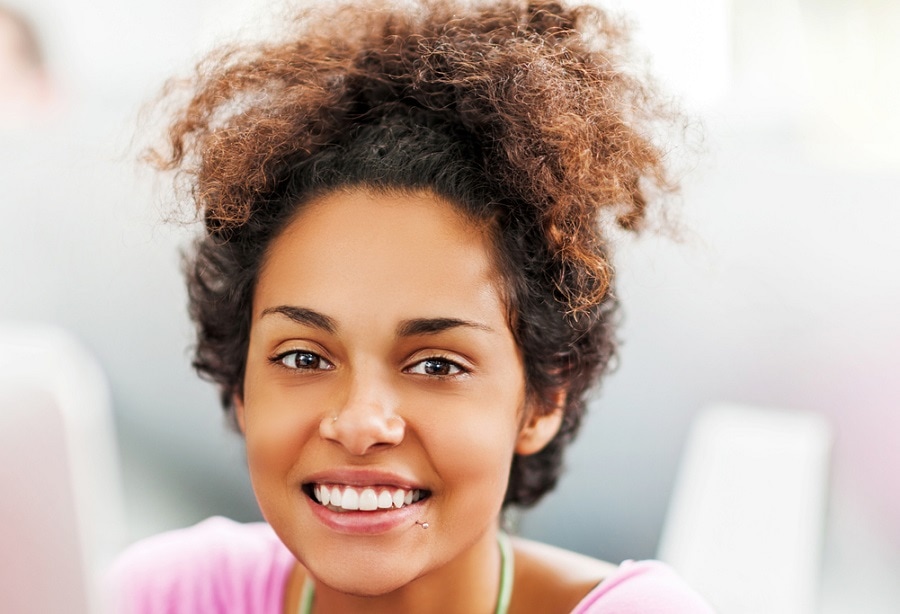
[362, 478]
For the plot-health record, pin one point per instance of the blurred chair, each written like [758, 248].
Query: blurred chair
[746, 521]
[60, 507]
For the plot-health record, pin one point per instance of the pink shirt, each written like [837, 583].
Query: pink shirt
[220, 566]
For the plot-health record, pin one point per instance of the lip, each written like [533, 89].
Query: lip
[367, 523]
[374, 522]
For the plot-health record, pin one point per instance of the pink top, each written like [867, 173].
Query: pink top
[221, 566]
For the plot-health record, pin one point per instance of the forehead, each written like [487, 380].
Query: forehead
[412, 252]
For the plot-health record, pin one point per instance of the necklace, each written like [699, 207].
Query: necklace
[506, 580]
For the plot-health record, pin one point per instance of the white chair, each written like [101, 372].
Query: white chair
[746, 520]
[60, 504]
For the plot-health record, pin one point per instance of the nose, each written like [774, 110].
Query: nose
[367, 420]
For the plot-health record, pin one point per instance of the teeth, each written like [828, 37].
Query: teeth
[385, 500]
[368, 499]
[350, 500]
[398, 498]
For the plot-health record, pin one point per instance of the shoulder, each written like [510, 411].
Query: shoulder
[643, 587]
[550, 579]
[200, 568]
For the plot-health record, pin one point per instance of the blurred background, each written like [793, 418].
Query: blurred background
[783, 290]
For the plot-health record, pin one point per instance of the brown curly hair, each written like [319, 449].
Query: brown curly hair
[523, 114]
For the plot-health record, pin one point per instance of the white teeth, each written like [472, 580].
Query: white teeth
[368, 500]
[385, 500]
[398, 497]
[350, 500]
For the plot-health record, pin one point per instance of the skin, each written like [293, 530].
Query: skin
[379, 343]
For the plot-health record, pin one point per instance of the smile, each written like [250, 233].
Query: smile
[342, 498]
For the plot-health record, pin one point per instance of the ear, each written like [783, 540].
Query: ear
[540, 427]
[237, 401]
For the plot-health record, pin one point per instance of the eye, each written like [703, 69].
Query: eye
[439, 367]
[304, 361]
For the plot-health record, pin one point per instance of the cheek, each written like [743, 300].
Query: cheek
[473, 467]
[471, 443]
[271, 449]
[484, 466]
[277, 424]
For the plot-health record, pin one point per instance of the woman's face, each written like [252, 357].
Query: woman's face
[381, 368]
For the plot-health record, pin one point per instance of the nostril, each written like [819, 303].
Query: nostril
[381, 445]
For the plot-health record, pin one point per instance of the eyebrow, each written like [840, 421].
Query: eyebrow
[407, 328]
[302, 315]
[433, 326]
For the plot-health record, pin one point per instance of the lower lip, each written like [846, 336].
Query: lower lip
[366, 523]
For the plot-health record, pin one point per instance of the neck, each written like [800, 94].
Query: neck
[467, 584]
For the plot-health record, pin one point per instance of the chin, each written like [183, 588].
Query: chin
[365, 583]
[363, 569]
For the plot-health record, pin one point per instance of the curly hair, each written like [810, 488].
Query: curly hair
[522, 114]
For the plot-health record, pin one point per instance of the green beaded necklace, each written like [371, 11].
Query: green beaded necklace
[506, 580]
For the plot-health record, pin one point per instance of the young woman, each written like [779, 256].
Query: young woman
[403, 293]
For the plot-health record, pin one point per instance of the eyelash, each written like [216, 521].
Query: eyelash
[282, 360]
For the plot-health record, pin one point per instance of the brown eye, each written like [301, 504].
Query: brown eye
[304, 360]
[438, 367]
